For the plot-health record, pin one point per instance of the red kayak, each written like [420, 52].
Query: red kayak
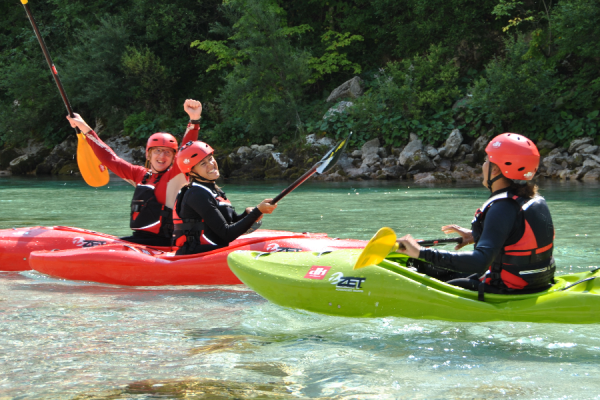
[135, 265]
[16, 244]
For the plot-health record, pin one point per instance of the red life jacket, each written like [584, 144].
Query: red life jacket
[147, 214]
[528, 263]
[192, 229]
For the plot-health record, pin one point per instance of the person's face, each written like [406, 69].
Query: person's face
[207, 168]
[484, 171]
[160, 158]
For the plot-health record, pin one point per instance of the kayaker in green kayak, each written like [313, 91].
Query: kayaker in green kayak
[203, 217]
[512, 232]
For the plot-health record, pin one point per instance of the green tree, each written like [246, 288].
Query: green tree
[262, 91]
[516, 90]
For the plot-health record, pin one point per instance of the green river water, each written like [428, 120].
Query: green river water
[74, 340]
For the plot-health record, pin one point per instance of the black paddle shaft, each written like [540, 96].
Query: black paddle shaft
[49, 61]
[326, 163]
[435, 242]
[296, 183]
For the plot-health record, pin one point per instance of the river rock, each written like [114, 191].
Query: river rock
[394, 171]
[581, 171]
[581, 142]
[409, 150]
[434, 177]
[27, 162]
[452, 144]
[345, 162]
[339, 108]
[62, 155]
[419, 161]
[589, 149]
[545, 144]
[478, 149]
[370, 152]
[591, 163]
[263, 149]
[464, 171]
[358, 173]
[333, 177]
[592, 175]
[352, 88]
[313, 140]
[7, 155]
[389, 161]
[444, 165]
[281, 159]
[431, 151]
[121, 147]
[575, 160]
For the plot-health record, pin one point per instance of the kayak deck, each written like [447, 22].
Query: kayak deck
[326, 283]
[135, 265]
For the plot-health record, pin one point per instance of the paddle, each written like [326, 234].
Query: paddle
[326, 163]
[384, 243]
[93, 171]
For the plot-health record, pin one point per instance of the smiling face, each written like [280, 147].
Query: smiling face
[207, 168]
[160, 158]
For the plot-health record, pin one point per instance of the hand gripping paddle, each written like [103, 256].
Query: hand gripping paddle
[384, 243]
[92, 170]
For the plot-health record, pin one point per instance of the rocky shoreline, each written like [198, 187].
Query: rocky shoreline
[457, 160]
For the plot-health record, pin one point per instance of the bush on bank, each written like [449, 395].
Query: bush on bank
[265, 68]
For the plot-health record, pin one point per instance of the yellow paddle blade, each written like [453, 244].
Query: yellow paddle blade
[380, 245]
[93, 171]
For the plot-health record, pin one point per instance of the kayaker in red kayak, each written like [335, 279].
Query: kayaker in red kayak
[512, 232]
[156, 184]
[203, 216]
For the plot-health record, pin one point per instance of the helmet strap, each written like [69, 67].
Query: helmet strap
[198, 178]
[490, 181]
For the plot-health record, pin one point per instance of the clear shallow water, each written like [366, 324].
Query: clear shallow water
[67, 340]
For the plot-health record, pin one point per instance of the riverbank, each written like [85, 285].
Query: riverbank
[459, 159]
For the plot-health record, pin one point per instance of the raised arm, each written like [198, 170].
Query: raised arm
[123, 169]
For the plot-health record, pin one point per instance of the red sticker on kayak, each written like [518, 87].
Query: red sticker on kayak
[317, 272]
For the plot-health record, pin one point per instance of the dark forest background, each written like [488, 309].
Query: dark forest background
[264, 68]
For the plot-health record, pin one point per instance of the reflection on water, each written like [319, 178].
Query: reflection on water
[67, 340]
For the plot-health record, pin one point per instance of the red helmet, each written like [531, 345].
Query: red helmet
[515, 155]
[191, 154]
[161, 139]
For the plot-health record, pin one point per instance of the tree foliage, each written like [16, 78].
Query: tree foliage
[265, 68]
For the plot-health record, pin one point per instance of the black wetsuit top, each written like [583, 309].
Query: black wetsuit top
[222, 225]
[504, 225]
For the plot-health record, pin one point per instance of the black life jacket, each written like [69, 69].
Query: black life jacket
[527, 264]
[147, 214]
[192, 230]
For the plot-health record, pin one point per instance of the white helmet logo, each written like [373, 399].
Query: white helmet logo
[186, 160]
[528, 175]
[496, 144]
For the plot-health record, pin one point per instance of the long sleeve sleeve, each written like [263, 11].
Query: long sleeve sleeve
[498, 227]
[206, 206]
[117, 165]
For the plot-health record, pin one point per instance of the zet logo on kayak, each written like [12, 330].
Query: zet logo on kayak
[81, 242]
[317, 272]
[347, 283]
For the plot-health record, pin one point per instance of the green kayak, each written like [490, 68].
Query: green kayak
[326, 283]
